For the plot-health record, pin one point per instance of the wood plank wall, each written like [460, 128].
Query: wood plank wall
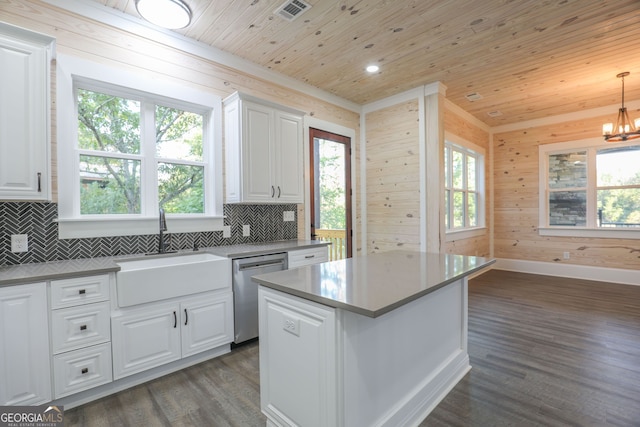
[106, 45]
[516, 192]
[459, 126]
[393, 186]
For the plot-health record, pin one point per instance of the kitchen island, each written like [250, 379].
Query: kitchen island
[376, 340]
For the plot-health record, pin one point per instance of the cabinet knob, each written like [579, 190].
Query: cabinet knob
[85, 370]
[83, 327]
[82, 291]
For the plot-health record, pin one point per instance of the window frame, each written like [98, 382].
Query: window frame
[477, 152]
[591, 229]
[74, 73]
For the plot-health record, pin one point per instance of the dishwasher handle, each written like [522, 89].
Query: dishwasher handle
[260, 264]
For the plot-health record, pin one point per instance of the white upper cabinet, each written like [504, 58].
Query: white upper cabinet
[263, 146]
[24, 114]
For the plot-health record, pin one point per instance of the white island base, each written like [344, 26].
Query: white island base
[326, 366]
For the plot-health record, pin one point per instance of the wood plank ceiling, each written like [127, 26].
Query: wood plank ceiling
[528, 59]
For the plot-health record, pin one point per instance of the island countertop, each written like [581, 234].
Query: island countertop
[374, 284]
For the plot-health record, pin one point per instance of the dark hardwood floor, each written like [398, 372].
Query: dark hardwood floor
[544, 351]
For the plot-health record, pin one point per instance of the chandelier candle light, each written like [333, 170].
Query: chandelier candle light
[625, 128]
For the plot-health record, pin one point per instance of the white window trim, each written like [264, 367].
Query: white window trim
[544, 229]
[481, 228]
[70, 225]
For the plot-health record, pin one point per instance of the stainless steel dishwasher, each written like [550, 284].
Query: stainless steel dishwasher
[245, 291]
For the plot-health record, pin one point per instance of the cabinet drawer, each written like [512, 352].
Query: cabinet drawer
[77, 327]
[82, 369]
[80, 290]
[301, 257]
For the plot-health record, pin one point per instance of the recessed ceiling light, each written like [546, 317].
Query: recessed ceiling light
[372, 68]
[171, 14]
[494, 113]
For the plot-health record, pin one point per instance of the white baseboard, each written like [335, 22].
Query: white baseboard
[587, 272]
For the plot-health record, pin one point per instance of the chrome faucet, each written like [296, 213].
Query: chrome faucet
[163, 228]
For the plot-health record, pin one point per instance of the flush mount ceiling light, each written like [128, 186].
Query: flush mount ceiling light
[372, 68]
[171, 14]
[625, 128]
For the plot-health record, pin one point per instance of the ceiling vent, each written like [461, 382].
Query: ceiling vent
[474, 96]
[292, 9]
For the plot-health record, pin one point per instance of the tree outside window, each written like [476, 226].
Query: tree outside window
[118, 155]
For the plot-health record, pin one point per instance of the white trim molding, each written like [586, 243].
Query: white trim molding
[115, 18]
[312, 122]
[574, 271]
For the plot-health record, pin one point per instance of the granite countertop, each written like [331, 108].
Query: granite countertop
[374, 284]
[30, 273]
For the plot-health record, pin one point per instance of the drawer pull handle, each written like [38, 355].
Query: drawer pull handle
[310, 256]
[39, 182]
[186, 317]
[82, 291]
[175, 320]
[85, 370]
[83, 327]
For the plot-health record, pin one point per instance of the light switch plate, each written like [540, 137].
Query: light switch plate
[246, 230]
[288, 216]
[226, 231]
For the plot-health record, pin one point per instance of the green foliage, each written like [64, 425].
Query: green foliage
[332, 186]
[110, 125]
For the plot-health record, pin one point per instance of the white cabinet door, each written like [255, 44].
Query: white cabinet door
[263, 146]
[207, 322]
[25, 373]
[145, 338]
[298, 362]
[288, 164]
[24, 114]
[257, 145]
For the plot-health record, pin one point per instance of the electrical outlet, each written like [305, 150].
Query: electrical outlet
[566, 255]
[246, 230]
[288, 216]
[291, 325]
[19, 243]
[226, 231]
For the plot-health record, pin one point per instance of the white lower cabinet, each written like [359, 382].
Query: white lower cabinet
[80, 334]
[82, 369]
[309, 256]
[155, 334]
[25, 373]
[298, 369]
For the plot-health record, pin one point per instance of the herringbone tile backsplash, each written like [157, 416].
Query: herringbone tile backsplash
[38, 221]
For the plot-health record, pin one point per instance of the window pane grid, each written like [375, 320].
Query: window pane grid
[135, 156]
[594, 187]
[461, 188]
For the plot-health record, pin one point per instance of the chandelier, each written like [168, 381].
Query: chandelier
[624, 127]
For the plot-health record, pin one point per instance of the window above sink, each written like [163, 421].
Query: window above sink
[129, 144]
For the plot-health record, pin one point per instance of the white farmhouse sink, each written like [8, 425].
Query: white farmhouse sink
[152, 279]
